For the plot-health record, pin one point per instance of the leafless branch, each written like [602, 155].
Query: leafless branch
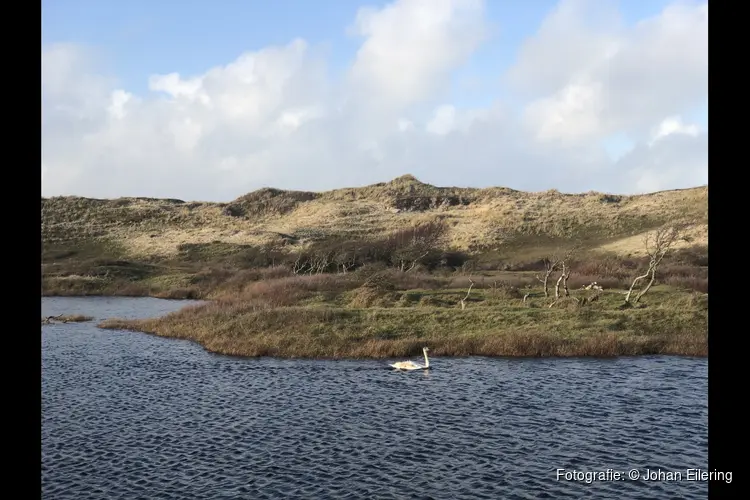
[463, 301]
[299, 265]
[550, 265]
[345, 258]
[414, 262]
[562, 263]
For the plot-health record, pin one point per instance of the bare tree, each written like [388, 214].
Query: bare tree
[553, 263]
[319, 263]
[550, 265]
[566, 266]
[410, 246]
[299, 264]
[463, 301]
[402, 260]
[345, 266]
[564, 274]
[345, 257]
[657, 246]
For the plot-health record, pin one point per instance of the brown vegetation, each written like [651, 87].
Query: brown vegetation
[393, 313]
[356, 316]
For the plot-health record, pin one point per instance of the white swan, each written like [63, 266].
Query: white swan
[411, 365]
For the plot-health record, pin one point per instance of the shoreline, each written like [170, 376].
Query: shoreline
[319, 339]
[432, 357]
[415, 354]
[392, 314]
[132, 326]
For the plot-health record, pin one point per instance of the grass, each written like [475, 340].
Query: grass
[356, 316]
[241, 255]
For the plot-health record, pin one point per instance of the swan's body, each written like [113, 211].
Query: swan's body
[411, 365]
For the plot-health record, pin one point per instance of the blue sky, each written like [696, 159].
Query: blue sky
[135, 40]
[139, 38]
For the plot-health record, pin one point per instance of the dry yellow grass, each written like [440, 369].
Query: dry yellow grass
[478, 218]
[634, 245]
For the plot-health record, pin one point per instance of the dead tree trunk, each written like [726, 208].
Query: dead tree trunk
[557, 286]
[652, 273]
[463, 301]
[565, 275]
[647, 287]
[563, 278]
[635, 281]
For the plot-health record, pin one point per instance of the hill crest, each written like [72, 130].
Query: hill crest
[493, 217]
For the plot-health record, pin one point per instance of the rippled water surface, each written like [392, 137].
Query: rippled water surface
[127, 415]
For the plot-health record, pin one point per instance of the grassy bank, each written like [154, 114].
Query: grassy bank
[394, 314]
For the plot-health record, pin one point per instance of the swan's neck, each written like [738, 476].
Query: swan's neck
[426, 360]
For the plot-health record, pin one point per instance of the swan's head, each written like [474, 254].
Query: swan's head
[425, 349]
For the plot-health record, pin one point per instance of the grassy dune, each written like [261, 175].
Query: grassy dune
[171, 248]
[291, 273]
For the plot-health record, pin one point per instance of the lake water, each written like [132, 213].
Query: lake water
[128, 415]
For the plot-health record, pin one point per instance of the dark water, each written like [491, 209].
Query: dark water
[128, 415]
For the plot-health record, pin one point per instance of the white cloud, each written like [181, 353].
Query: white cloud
[411, 46]
[676, 159]
[443, 120]
[572, 114]
[117, 108]
[622, 80]
[574, 39]
[404, 125]
[673, 125]
[275, 117]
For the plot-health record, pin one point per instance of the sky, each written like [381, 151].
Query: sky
[202, 100]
